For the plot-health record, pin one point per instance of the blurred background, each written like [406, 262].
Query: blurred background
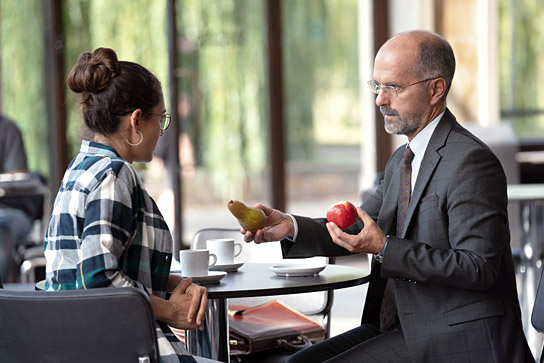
[269, 98]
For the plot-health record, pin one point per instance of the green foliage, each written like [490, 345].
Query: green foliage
[321, 68]
[135, 29]
[224, 51]
[521, 71]
[222, 68]
[23, 78]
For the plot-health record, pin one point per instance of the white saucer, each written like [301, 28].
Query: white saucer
[211, 278]
[290, 270]
[233, 267]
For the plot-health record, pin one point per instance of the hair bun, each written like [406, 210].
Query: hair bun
[93, 72]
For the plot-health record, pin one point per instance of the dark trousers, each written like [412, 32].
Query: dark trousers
[14, 226]
[359, 345]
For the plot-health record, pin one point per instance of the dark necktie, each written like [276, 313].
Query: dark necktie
[388, 310]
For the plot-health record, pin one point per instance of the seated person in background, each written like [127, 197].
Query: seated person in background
[15, 214]
[105, 229]
[442, 285]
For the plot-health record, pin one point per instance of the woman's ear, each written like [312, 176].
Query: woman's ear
[135, 119]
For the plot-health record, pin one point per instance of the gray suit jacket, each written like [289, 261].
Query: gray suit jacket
[452, 265]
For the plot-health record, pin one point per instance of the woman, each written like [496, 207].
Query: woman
[105, 229]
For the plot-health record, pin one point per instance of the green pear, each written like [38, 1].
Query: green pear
[250, 218]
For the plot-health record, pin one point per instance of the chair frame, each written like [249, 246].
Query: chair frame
[325, 309]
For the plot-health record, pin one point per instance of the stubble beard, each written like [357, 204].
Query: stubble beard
[402, 125]
[408, 123]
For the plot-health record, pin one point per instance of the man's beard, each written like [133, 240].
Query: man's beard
[404, 125]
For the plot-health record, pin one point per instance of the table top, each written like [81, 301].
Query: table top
[20, 185]
[526, 191]
[256, 279]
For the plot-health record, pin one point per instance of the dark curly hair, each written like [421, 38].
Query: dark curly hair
[111, 88]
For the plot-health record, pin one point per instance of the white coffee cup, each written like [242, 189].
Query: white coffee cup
[196, 262]
[225, 249]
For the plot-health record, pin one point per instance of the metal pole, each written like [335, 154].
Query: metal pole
[174, 166]
[381, 34]
[54, 84]
[275, 103]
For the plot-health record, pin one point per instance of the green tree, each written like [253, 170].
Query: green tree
[23, 80]
[521, 34]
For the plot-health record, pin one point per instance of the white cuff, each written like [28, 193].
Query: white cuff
[295, 234]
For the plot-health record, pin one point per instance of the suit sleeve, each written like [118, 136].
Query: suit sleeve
[13, 150]
[314, 238]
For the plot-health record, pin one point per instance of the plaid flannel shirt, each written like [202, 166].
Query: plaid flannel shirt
[105, 230]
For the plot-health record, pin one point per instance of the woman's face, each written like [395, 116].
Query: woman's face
[151, 131]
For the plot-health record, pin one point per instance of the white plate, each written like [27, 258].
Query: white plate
[211, 278]
[290, 270]
[233, 267]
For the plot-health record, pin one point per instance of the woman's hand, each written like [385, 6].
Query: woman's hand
[277, 226]
[186, 307]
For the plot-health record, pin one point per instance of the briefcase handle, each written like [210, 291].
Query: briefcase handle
[300, 343]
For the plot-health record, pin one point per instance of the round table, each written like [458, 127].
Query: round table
[256, 279]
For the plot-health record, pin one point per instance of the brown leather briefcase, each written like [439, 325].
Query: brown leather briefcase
[270, 325]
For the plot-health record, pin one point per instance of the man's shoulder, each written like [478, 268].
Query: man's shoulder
[7, 125]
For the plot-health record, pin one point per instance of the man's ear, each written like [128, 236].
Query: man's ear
[438, 89]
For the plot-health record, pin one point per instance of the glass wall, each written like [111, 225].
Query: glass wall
[222, 106]
[222, 112]
[521, 35]
[322, 104]
[23, 79]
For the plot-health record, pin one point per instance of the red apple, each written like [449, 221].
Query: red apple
[343, 214]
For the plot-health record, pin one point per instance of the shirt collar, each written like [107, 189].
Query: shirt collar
[92, 147]
[421, 140]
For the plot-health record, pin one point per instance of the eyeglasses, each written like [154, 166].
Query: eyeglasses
[391, 91]
[165, 120]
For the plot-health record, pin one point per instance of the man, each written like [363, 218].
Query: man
[441, 242]
[15, 215]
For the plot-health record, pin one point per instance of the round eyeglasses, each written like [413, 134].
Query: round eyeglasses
[165, 120]
[391, 90]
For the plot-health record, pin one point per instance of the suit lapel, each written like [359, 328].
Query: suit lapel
[428, 164]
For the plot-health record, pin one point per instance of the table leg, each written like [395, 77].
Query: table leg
[214, 344]
[218, 317]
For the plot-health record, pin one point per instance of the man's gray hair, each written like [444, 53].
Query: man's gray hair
[436, 59]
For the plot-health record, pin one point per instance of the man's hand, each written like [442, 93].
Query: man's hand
[188, 303]
[277, 226]
[370, 240]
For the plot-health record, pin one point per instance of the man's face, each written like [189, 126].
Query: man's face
[407, 113]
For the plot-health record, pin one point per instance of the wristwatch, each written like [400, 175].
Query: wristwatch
[379, 256]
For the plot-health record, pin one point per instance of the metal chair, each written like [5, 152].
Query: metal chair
[314, 304]
[95, 325]
[537, 317]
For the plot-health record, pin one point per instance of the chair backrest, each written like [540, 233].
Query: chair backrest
[313, 303]
[95, 325]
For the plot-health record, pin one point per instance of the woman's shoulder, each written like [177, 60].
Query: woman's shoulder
[87, 171]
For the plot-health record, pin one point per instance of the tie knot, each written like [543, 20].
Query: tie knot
[407, 156]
